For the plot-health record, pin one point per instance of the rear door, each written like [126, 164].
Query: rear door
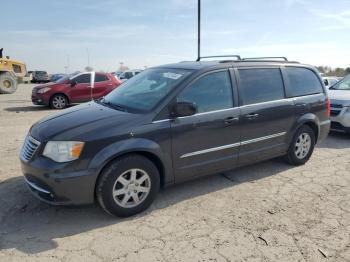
[102, 86]
[208, 141]
[266, 115]
[81, 92]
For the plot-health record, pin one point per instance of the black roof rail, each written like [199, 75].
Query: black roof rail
[266, 58]
[217, 56]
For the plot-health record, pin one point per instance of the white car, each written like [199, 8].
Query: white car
[126, 75]
[339, 95]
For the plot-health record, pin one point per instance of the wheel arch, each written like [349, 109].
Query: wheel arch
[138, 146]
[310, 120]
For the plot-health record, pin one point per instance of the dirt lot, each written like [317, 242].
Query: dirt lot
[266, 212]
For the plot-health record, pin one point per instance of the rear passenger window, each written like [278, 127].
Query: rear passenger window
[260, 85]
[302, 82]
[211, 92]
[100, 78]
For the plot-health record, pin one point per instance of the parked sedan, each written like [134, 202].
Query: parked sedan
[340, 105]
[74, 89]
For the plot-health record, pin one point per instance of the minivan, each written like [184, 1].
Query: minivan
[173, 123]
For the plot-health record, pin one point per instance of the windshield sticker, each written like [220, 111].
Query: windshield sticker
[172, 75]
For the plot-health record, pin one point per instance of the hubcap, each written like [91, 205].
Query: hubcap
[59, 102]
[302, 145]
[131, 188]
[7, 84]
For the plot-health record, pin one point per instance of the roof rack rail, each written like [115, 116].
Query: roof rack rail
[217, 56]
[266, 58]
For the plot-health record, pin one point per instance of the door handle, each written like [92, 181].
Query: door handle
[231, 119]
[251, 116]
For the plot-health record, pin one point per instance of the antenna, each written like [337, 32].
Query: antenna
[199, 30]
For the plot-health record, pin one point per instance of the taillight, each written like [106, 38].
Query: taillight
[328, 107]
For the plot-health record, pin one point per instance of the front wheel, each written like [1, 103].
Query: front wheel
[58, 102]
[8, 84]
[301, 147]
[128, 186]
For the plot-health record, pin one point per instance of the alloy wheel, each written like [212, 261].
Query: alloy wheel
[131, 188]
[302, 145]
[59, 102]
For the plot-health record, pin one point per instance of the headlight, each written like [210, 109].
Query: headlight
[44, 90]
[63, 151]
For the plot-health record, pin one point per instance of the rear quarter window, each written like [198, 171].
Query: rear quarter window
[302, 81]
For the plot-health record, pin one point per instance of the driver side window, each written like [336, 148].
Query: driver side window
[83, 79]
[210, 92]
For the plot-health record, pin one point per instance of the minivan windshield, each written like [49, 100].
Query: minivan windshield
[145, 90]
[343, 84]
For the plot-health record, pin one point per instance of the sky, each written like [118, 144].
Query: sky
[59, 35]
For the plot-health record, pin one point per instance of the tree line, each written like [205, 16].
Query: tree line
[338, 71]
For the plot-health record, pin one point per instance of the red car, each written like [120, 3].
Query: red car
[74, 89]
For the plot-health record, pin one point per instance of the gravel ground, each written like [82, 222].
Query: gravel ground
[266, 212]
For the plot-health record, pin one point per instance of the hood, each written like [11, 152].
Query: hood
[83, 122]
[341, 97]
[45, 85]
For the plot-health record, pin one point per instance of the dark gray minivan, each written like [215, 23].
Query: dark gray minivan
[173, 123]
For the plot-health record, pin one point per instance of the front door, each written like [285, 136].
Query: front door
[208, 141]
[81, 92]
[266, 115]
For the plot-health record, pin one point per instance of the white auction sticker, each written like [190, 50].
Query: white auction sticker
[172, 75]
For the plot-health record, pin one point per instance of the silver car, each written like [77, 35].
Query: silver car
[340, 105]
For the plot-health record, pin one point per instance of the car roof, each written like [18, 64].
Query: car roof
[198, 65]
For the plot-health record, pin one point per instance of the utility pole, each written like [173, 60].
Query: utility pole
[67, 67]
[199, 31]
[88, 56]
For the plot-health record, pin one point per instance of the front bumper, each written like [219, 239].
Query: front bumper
[38, 99]
[341, 120]
[57, 183]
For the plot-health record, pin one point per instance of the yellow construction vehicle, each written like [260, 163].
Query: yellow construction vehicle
[12, 73]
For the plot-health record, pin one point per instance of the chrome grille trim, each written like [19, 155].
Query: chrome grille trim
[29, 148]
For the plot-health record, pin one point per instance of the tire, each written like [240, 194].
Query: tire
[301, 147]
[58, 101]
[117, 192]
[8, 84]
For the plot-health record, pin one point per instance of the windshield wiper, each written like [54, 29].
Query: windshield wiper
[111, 105]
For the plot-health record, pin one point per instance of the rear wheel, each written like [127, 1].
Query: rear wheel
[59, 101]
[8, 84]
[301, 147]
[128, 186]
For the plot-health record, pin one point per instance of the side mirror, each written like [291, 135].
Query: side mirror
[73, 83]
[325, 81]
[183, 109]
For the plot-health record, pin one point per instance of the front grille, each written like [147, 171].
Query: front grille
[336, 106]
[335, 112]
[30, 145]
